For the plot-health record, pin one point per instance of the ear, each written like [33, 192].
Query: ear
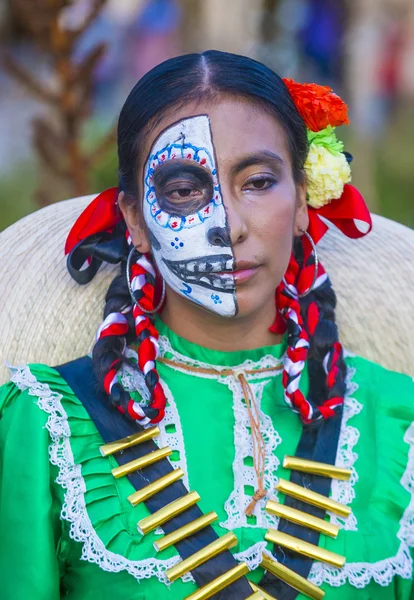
[301, 215]
[135, 223]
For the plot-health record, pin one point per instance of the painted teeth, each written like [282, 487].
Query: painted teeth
[205, 273]
[207, 267]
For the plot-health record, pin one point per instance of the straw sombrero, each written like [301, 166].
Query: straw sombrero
[47, 317]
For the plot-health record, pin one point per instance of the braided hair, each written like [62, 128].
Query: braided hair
[312, 337]
[309, 320]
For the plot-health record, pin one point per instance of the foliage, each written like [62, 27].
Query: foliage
[67, 93]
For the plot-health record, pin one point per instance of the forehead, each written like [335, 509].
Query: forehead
[238, 128]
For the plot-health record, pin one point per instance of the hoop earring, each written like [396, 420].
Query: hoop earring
[315, 275]
[131, 292]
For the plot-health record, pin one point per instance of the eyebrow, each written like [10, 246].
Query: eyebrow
[256, 158]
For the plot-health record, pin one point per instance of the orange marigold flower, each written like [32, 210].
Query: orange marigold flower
[318, 105]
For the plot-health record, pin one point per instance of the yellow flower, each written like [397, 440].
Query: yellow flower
[327, 172]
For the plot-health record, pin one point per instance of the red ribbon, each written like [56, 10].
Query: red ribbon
[102, 214]
[342, 213]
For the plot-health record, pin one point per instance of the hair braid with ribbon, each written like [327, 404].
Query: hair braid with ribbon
[124, 324]
[312, 334]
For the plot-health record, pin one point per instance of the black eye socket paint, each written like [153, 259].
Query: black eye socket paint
[182, 188]
[181, 168]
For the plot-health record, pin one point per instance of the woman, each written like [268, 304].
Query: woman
[224, 168]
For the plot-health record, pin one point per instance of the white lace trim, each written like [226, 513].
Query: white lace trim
[343, 491]
[360, 574]
[252, 556]
[266, 362]
[171, 432]
[70, 478]
[244, 475]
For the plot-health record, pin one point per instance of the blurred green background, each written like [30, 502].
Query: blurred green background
[363, 49]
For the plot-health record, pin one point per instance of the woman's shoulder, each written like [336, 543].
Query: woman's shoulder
[30, 387]
[380, 388]
[380, 408]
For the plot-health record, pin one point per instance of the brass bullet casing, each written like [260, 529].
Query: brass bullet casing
[219, 583]
[297, 491]
[140, 463]
[255, 596]
[295, 581]
[317, 468]
[198, 558]
[128, 442]
[155, 487]
[310, 550]
[167, 513]
[185, 531]
[264, 594]
[301, 518]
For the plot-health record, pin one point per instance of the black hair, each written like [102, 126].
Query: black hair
[199, 77]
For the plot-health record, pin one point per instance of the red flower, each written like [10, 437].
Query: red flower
[318, 105]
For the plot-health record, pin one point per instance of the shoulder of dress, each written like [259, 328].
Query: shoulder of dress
[37, 382]
[384, 386]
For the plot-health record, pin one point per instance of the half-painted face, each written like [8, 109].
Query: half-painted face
[183, 209]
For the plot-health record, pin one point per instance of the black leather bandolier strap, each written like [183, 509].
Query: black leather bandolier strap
[319, 442]
[112, 426]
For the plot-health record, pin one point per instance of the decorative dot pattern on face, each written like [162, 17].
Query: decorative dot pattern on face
[177, 244]
[216, 299]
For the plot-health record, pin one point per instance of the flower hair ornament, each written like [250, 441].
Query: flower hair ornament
[331, 198]
[100, 235]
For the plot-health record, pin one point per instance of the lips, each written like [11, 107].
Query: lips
[209, 272]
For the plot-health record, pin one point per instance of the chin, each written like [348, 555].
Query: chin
[251, 302]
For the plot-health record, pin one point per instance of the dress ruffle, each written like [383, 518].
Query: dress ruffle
[94, 502]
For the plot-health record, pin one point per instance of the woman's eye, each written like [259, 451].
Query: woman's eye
[259, 184]
[182, 189]
[182, 193]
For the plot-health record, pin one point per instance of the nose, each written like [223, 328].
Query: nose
[236, 219]
[219, 236]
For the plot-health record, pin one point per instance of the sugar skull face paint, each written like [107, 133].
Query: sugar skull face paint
[184, 211]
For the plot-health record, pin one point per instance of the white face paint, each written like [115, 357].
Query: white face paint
[184, 211]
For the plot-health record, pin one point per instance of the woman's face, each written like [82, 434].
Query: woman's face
[219, 206]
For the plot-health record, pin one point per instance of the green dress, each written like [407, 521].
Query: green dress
[68, 530]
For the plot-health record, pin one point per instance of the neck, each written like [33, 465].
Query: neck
[207, 329]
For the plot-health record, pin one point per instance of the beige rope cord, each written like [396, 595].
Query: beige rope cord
[259, 445]
[222, 372]
[47, 317]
